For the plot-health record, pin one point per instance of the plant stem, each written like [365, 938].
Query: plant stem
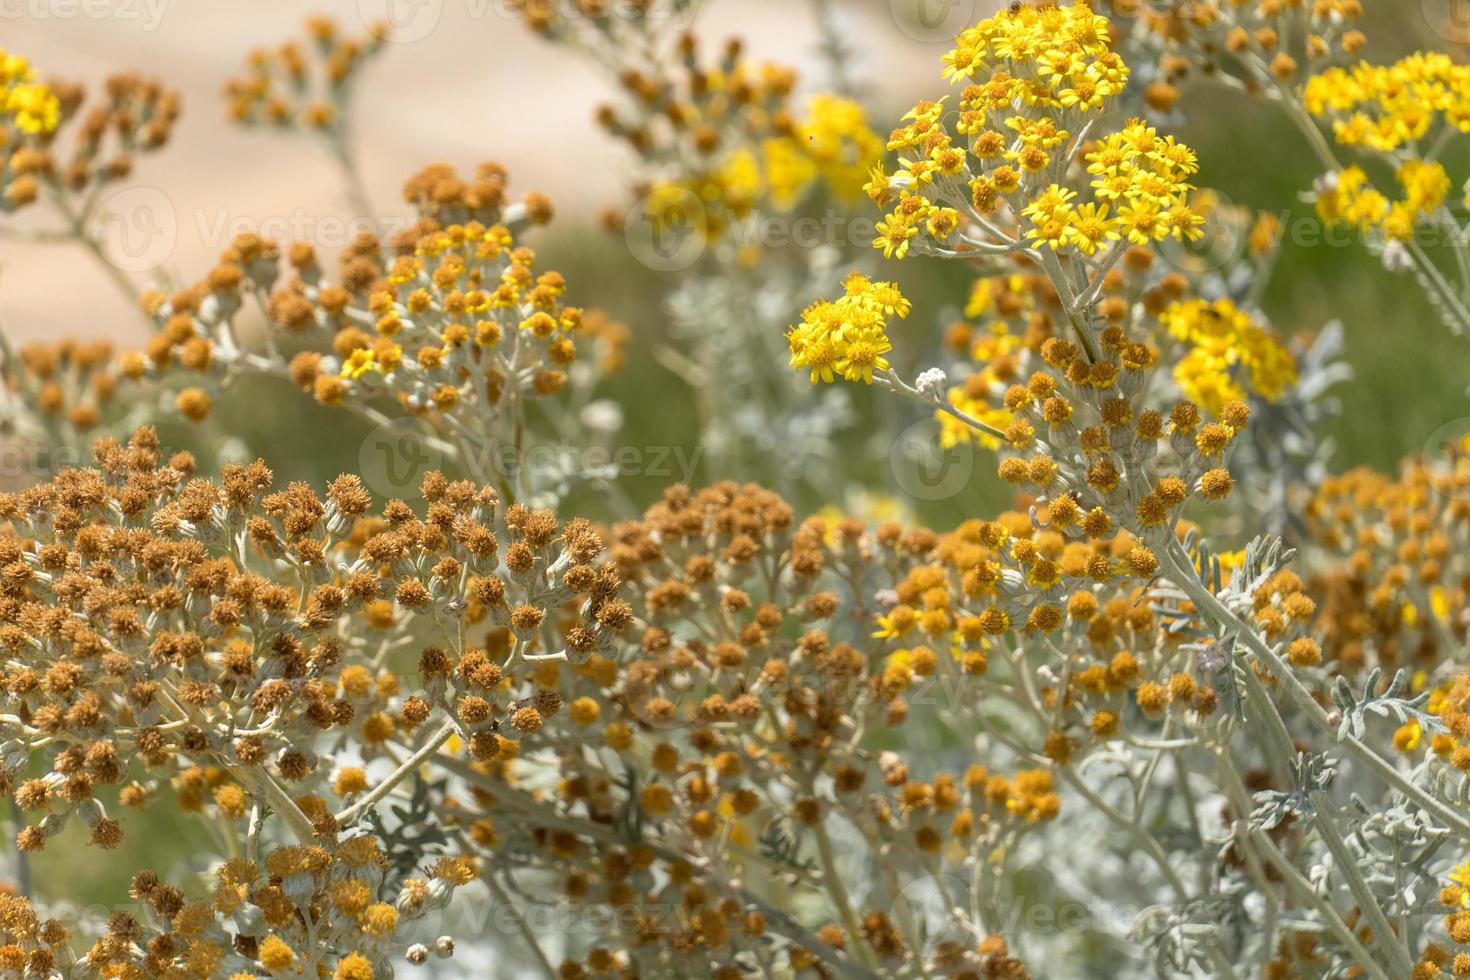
[352, 813]
[1383, 933]
[538, 812]
[265, 788]
[524, 928]
[837, 891]
[1180, 570]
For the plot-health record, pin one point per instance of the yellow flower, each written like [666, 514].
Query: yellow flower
[359, 362]
[1091, 227]
[894, 234]
[896, 623]
[847, 337]
[1065, 47]
[32, 105]
[1461, 877]
[842, 147]
[877, 186]
[789, 171]
[1408, 736]
[954, 432]
[1385, 107]
[1223, 336]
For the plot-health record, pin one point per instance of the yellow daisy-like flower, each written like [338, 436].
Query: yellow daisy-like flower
[359, 362]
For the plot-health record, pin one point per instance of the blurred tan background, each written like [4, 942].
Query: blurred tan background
[466, 82]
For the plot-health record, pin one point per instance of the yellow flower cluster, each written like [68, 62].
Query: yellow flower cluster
[1395, 109]
[842, 147]
[29, 103]
[1061, 54]
[1144, 175]
[771, 158]
[955, 432]
[67, 380]
[847, 337]
[1390, 107]
[1224, 342]
[1396, 596]
[1038, 77]
[1014, 324]
[1351, 199]
[28, 110]
[461, 322]
[301, 899]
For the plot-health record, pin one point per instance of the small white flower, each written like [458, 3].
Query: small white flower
[933, 383]
[603, 415]
[1396, 257]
